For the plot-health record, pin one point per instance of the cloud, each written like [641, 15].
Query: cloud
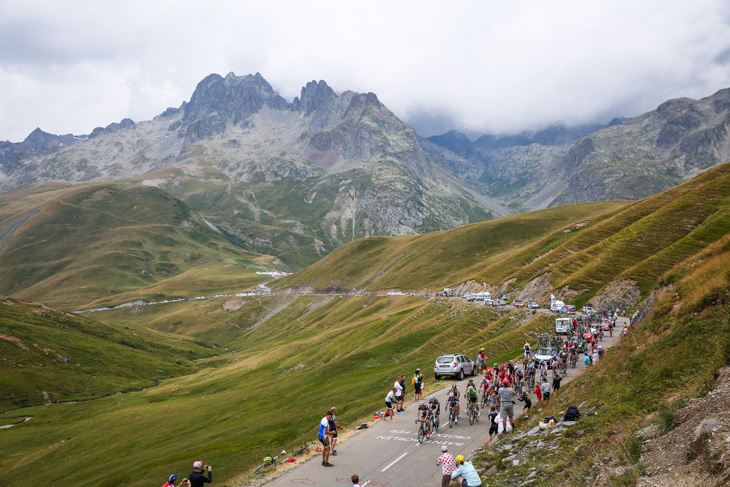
[477, 66]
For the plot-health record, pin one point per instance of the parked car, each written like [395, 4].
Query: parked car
[545, 353]
[453, 364]
[533, 305]
[568, 309]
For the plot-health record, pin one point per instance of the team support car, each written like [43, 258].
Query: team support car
[545, 353]
[455, 365]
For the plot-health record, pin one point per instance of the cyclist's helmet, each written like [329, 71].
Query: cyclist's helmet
[172, 478]
[431, 398]
[496, 364]
[421, 402]
[471, 381]
[459, 459]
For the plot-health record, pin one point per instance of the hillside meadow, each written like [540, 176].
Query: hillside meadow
[276, 357]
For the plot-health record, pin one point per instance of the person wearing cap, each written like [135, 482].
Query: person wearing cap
[446, 462]
[465, 473]
[171, 481]
[197, 478]
[601, 351]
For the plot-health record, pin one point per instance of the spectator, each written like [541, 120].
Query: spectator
[556, 383]
[389, 403]
[417, 386]
[399, 395]
[507, 401]
[333, 426]
[493, 425]
[324, 438]
[545, 387]
[196, 477]
[465, 473]
[446, 461]
[355, 480]
[525, 397]
[601, 351]
[171, 481]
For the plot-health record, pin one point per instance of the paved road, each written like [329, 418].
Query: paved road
[388, 454]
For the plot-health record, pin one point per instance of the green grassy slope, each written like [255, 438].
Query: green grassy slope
[96, 242]
[665, 361]
[50, 355]
[349, 349]
[434, 260]
[225, 414]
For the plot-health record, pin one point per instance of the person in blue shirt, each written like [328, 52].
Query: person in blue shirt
[586, 360]
[465, 473]
[324, 438]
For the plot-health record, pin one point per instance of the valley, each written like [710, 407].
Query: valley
[236, 378]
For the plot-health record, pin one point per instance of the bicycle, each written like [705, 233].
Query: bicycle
[434, 423]
[485, 399]
[423, 430]
[269, 461]
[452, 416]
[302, 449]
[473, 413]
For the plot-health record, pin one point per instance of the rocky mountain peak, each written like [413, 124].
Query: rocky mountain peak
[314, 96]
[219, 101]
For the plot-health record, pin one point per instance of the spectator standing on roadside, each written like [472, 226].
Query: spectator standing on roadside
[399, 395]
[446, 461]
[601, 351]
[586, 360]
[480, 361]
[545, 386]
[507, 401]
[556, 383]
[493, 426]
[355, 481]
[324, 438]
[196, 477]
[525, 397]
[538, 393]
[595, 356]
[333, 430]
[417, 386]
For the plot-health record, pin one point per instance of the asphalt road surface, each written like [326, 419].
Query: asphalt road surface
[388, 454]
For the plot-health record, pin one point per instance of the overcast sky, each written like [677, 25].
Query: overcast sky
[485, 66]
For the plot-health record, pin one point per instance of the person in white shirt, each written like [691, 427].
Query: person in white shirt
[399, 395]
[389, 403]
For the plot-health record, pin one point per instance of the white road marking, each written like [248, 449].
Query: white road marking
[394, 462]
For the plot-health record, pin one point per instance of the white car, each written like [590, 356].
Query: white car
[455, 365]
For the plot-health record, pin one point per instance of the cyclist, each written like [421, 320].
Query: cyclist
[519, 378]
[486, 383]
[424, 414]
[453, 403]
[457, 394]
[527, 350]
[435, 406]
[564, 359]
[472, 395]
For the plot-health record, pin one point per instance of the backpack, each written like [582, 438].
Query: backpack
[572, 414]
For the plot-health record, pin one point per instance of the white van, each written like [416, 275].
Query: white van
[563, 326]
[556, 305]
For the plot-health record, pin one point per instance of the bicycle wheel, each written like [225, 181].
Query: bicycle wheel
[451, 418]
[421, 432]
[472, 414]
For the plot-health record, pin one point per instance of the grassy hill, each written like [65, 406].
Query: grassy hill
[441, 259]
[349, 349]
[50, 356]
[72, 246]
